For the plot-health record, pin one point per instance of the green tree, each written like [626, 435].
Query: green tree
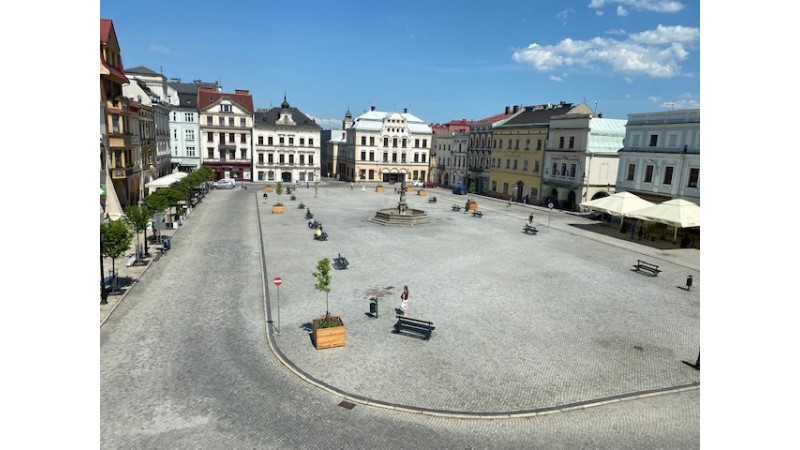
[137, 218]
[279, 191]
[156, 203]
[117, 237]
[323, 283]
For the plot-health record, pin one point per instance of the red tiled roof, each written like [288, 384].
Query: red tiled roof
[495, 118]
[106, 29]
[207, 97]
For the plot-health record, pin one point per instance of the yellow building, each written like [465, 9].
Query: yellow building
[518, 145]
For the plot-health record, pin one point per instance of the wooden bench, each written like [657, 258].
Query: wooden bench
[323, 237]
[340, 263]
[415, 326]
[646, 266]
[456, 208]
[477, 213]
[432, 200]
[292, 197]
[131, 261]
[529, 229]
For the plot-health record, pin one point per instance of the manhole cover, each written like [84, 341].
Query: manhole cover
[347, 405]
[638, 347]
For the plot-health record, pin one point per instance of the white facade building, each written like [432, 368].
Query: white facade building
[661, 157]
[150, 88]
[581, 160]
[389, 146]
[184, 123]
[286, 145]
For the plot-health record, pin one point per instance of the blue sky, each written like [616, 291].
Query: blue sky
[443, 60]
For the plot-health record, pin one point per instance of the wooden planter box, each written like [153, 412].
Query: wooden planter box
[378, 188]
[328, 337]
[268, 188]
[278, 209]
[422, 193]
[472, 206]
[409, 189]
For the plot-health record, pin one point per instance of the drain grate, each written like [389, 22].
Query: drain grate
[347, 405]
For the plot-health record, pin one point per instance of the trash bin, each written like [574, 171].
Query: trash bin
[373, 306]
[167, 243]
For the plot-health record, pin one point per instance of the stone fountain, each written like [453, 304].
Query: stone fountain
[402, 216]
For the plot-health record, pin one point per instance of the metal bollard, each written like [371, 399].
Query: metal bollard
[373, 306]
[689, 283]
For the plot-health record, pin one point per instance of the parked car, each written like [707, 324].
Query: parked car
[223, 184]
[430, 184]
[417, 183]
[460, 190]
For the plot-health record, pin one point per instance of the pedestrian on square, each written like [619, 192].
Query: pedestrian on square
[530, 219]
[641, 231]
[633, 229]
[404, 301]
[265, 195]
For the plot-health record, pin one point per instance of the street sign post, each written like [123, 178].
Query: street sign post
[550, 208]
[277, 281]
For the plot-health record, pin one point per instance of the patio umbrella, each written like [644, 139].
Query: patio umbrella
[677, 213]
[619, 204]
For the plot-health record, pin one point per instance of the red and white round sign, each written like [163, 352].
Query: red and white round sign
[277, 281]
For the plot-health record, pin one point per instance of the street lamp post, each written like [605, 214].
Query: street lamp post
[103, 293]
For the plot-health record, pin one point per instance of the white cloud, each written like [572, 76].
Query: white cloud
[660, 6]
[615, 31]
[687, 100]
[564, 15]
[327, 124]
[158, 48]
[656, 53]
[621, 11]
[653, 98]
[558, 78]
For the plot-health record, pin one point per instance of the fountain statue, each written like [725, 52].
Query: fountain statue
[402, 215]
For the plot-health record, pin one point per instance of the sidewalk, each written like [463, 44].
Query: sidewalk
[128, 276]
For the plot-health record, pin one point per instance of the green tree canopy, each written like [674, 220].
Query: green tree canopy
[323, 280]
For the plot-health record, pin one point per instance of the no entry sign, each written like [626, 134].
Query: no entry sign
[277, 281]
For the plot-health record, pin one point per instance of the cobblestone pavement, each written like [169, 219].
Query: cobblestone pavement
[524, 324]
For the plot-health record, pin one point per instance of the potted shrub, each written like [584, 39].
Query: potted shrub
[268, 188]
[471, 205]
[278, 208]
[379, 188]
[327, 331]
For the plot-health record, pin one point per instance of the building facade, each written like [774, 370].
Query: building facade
[184, 123]
[389, 147]
[116, 159]
[518, 147]
[332, 154]
[287, 145]
[226, 124]
[661, 157]
[479, 153]
[581, 157]
[150, 89]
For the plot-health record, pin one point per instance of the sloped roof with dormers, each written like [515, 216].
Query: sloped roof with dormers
[373, 121]
[268, 119]
[208, 97]
[109, 37]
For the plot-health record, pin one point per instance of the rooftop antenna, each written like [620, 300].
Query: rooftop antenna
[671, 105]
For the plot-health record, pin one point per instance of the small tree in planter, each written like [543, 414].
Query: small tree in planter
[278, 208]
[327, 331]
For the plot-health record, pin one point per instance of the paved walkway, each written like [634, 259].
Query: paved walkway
[525, 324]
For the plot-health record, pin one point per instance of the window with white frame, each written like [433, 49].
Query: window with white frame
[189, 135]
[648, 173]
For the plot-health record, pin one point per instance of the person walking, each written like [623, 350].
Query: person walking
[641, 231]
[530, 219]
[633, 229]
[351, 185]
[404, 301]
[265, 195]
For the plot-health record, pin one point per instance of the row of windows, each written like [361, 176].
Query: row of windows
[395, 141]
[270, 176]
[418, 157]
[231, 137]
[649, 169]
[187, 117]
[282, 140]
[231, 121]
[226, 154]
[282, 158]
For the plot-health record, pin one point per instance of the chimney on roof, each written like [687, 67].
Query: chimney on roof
[243, 91]
[600, 116]
[372, 108]
[562, 102]
[405, 110]
[516, 108]
[175, 80]
[507, 109]
[196, 81]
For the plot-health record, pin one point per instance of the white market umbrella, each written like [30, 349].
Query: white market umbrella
[619, 204]
[677, 213]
